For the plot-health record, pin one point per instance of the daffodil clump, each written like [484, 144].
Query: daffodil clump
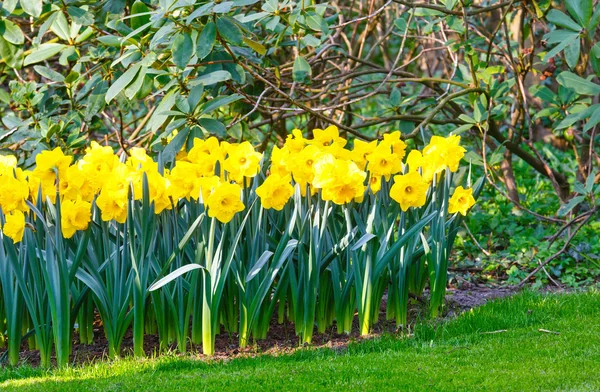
[224, 236]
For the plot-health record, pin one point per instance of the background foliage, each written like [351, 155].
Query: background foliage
[515, 78]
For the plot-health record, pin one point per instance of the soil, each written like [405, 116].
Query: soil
[281, 337]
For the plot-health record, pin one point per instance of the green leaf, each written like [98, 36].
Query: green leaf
[214, 127]
[48, 73]
[9, 5]
[60, 26]
[577, 83]
[301, 71]
[229, 30]
[159, 118]
[122, 82]
[260, 263]
[395, 97]
[96, 101]
[11, 32]
[256, 46]
[580, 9]
[43, 52]
[218, 102]
[559, 18]
[182, 50]
[572, 53]
[174, 275]
[139, 20]
[566, 208]
[136, 85]
[175, 145]
[81, 16]
[558, 48]
[10, 54]
[211, 78]
[315, 21]
[206, 40]
[32, 7]
[593, 120]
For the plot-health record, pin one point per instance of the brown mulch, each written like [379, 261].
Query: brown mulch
[281, 337]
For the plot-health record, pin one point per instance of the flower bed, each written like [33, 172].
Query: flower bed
[222, 238]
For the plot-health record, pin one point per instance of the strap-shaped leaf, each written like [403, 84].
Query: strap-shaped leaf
[174, 275]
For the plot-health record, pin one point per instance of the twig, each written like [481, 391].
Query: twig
[547, 331]
[494, 332]
[485, 252]
[555, 255]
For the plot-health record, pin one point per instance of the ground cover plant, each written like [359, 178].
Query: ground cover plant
[530, 341]
[157, 245]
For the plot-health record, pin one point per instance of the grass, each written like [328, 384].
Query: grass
[448, 356]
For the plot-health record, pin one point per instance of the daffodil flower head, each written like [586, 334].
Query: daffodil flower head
[75, 216]
[14, 227]
[409, 190]
[224, 202]
[461, 201]
[242, 161]
[383, 162]
[275, 191]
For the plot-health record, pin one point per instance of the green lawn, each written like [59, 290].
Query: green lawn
[454, 356]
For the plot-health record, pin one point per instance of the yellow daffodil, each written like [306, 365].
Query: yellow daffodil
[295, 142]
[275, 191]
[204, 186]
[409, 190]
[159, 189]
[49, 165]
[375, 183]
[397, 145]
[224, 202]
[139, 160]
[383, 162]
[281, 161]
[302, 168]
[327, 137]
[444, 152]
[360, 152]
[75, 216]
[13, 193]
[242, 161]
[14, 227]
[112, 200]
[461, 201]
[340, 181]
[7, 164]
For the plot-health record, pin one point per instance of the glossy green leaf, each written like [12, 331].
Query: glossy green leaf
[49, 73]
[301, 71]
[559, 18]
[142, 19]
[43, 52]
[577, 83]
[123, 81]
[206, 40]
[81, 16]
[11, 32]
[581, 10]
[213, 127]
[182, 50]
[229, 30]
[32, 7]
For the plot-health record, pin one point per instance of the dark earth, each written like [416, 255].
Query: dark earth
[281, 338]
